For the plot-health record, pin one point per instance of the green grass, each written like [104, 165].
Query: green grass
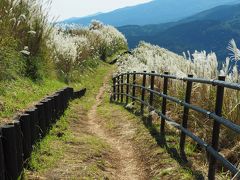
[53, 147]
[92, 81]
[20, 94]
[114, 56]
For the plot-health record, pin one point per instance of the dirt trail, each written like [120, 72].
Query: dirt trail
[128, 165]
[88, 133]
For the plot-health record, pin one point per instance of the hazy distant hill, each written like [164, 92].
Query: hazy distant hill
[154, 12]
[210, 30]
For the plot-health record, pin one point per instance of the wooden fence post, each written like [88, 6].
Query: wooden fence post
[127, 88]
[151, 95]
[10, 151]
[122, 81]
[58, 100]
[41, 119]
[55, 107]
[51, 112]
[143, 91]
[19, 146]
[33, 124]
[164, 102]
[2, 160]
[47, 113]
[114, 89]
[26, 132]
[216, 128]
[133, 87]
[118, 88]
[185, 118]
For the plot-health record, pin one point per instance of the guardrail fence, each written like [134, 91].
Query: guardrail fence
[123, 87]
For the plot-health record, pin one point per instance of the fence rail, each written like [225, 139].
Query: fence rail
[123, 80]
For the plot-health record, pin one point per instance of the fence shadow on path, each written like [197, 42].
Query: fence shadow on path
[162, 142]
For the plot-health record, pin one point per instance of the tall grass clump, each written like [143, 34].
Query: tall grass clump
[34, 47]
[74, 46]
[23, 39]
[147, 57]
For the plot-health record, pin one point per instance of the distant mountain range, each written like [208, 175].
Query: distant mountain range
[154, 12]
[210, 30]
[177, 25]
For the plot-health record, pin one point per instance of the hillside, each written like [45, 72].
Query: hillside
[154, 12]
[210, 30]
[35, 62]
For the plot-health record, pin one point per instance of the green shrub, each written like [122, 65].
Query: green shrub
[11, 63]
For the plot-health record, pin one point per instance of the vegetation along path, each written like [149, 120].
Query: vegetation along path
[100, 140]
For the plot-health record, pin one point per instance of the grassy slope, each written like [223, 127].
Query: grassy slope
[20, 94]
[53, 148]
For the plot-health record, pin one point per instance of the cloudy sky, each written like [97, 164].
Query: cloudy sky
[77, 8]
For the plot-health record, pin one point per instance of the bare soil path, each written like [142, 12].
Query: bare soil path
[128, 164]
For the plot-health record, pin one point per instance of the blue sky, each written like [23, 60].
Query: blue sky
[77, 8]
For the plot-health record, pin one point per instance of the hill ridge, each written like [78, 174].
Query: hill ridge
[209, 30]
[155, 12]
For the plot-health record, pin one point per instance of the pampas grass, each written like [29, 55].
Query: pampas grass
[147, 57]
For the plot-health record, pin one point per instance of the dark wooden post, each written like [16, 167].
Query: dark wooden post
[122, 81]
[25, 123]
[114, 89]
[152, 88]
[61, 103]
[51, 108]
[46, 115]
[118, 88]
[134, 88]
[55, 107]
[164, 102]
[216, 128]
[34, 125]
[65, 98]
[2, 163]
[41, 119]
[127, 88]
[151, 95]
[58, 99]
[143, 91]
[185, 118]
[19, 146]
[10, 151]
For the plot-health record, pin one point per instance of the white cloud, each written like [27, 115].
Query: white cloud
[77, 8]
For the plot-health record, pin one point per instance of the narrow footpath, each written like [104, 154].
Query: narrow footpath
[122, 150]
